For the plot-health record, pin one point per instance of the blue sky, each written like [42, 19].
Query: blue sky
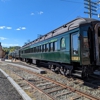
[23, 20]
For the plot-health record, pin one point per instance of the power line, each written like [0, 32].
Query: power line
[71, 1]
[91, 6]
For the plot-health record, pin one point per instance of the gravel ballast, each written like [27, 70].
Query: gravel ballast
[7, 91]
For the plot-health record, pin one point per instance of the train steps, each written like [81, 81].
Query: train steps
[77, 73]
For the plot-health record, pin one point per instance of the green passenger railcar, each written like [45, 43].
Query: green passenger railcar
[69, 49]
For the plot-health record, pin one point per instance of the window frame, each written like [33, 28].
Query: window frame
[63, 47]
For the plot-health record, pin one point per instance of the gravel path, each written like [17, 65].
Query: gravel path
[7, 91]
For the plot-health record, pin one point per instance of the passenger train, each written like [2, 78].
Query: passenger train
[73, 48]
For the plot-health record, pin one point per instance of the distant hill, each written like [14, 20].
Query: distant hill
[10, 49]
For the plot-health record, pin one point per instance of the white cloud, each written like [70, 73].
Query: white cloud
[3, 38]
[18, 29]
[41, 12]
[23, 28]
[8, 28]
[2, 27]
[7, 45]
[5, 27]
[32, 13]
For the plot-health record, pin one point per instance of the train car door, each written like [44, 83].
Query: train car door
[97, 43]
[85, 47]
[75, 45]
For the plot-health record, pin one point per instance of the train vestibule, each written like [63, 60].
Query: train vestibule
[97, 43]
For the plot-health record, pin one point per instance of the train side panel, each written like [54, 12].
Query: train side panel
[62, 55]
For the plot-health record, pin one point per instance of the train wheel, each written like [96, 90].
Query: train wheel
[66, 72]
[85, 75]
[85, 72]
[57, 69]
[49, 66]
[52, 68]
[61, 70]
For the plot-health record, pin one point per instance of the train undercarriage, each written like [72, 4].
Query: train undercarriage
[66, 69]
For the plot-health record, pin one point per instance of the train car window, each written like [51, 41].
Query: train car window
[62, 43]
[84, 33]
[38, 48]
[28, 50]
[75, 43]
[31, 50]
[45, 47]
[55, 46]
[51, 46]
[85, 40]
[34, 49]
[42, 48]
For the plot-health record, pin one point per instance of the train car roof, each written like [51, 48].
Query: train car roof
[64, 28]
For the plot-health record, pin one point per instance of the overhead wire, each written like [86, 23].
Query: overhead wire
[71, 1]
[76, 9]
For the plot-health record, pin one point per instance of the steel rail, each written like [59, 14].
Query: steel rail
[34, 86]
[64, 86]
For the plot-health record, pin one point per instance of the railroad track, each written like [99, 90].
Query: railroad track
[53, 89]
[92, 85]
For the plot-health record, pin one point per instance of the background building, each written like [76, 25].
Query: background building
[2, 52]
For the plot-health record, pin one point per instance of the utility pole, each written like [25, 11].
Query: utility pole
[91, 6]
